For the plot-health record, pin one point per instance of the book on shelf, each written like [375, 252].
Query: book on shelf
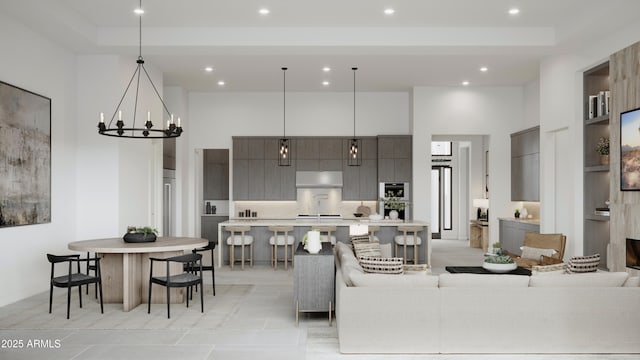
[593, 102]
[607, 100]
[602, 211]
[602, 100]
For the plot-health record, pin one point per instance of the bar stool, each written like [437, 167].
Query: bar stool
[281, 237]
[409, 237]
[238, 237]
[328, 230]
[372, 233]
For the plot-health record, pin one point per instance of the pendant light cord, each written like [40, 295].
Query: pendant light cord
[354, 100]
[140, 34]
[284, 102]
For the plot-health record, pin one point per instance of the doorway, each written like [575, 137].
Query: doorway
[441, 200]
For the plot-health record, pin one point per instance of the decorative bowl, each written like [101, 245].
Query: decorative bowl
[375, 217]
[357, 215]
[138, 237]
[499, 268]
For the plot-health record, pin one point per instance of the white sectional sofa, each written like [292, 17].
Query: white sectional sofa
[468, 313]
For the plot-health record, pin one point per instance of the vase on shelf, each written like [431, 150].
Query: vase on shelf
[604, 159]
[393, 215]
[313, 245]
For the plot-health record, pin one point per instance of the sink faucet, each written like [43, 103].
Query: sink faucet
[320, 197]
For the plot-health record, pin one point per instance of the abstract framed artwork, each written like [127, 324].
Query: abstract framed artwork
[630, 150]
[25, 157]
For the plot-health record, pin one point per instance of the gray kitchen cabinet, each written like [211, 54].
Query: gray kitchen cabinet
[395, 158]
[525, 165]
[256, 148]
[512, 234]
[240, 179]
[209, 227]
[256, 179]
[330, 148]
[330, 165]
[240, 147]
[307, 148]
[279, 181]
[361, 182]
[216, 174]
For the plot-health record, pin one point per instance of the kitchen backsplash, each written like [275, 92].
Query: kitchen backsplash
[289, 209]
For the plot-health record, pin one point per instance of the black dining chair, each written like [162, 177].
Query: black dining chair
[92, 267]
[74, 277]
[210, 247]
[186, 279]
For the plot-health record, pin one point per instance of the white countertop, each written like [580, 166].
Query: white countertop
[526, 221]
[312, 222]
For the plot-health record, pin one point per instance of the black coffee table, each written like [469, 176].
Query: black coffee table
[481, 270]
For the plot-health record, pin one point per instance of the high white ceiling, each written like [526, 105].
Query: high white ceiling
[425, 43]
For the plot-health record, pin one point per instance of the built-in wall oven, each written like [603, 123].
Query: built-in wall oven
[400, 191]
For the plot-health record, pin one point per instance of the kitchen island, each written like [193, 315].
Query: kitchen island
[260, 232]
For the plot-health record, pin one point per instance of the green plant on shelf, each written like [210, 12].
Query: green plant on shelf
[394, 203]
[602, 147]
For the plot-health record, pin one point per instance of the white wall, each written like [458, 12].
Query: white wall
[493, 111]
[561, 125]
[32, 63]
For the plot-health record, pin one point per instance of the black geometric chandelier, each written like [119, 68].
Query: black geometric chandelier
[147, 131]
[284, 148]
[355, 146]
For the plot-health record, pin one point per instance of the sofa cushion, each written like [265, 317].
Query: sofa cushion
[583, 264]
[482, 280]
[594, 279]
[556, 269]
[367, 249]
[534, 253]
[388, 280]
[380, 265]
[632, 281]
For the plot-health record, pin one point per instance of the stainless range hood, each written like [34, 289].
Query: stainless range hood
[319, 179]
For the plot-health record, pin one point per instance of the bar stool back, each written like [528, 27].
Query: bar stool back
[238, 237]
[409, 237]
[327, 230]
[281, 237]
[372, 233]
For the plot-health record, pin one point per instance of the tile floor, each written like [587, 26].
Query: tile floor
[251, 317]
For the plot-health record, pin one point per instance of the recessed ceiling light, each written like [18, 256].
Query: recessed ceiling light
[326, 83]
[389, 11]
[138, 11]
[484, 69]
[264, 11]
[514, 11]
[465, 83]
[208, 69]
[326, 69]
[221, 83]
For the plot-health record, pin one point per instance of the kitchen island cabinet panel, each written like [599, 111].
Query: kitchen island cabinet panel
[512, 233]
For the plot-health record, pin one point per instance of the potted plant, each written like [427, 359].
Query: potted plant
[499, 263]
[395, 205]
[516, 213]
[602, 147]
[140, 234]
[497, 248]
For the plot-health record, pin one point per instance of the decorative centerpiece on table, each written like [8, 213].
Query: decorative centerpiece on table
[140, 234]
[602, 147]
[311, 242]
[499, 263]
[394, 205]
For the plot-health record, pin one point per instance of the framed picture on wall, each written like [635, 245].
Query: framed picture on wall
[25, 157]
[630, 150]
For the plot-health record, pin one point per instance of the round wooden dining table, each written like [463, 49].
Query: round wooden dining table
[125, 267]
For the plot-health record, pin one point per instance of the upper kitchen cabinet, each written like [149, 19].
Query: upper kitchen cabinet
[395, 158]
[318, 153]
[360, 182]
[256, 174]
[525, 165]
[216, 174]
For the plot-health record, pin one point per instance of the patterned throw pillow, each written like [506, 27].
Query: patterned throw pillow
[535, 253]
[380, 265]
[583, 264]
[549, 269]
[367, 249]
